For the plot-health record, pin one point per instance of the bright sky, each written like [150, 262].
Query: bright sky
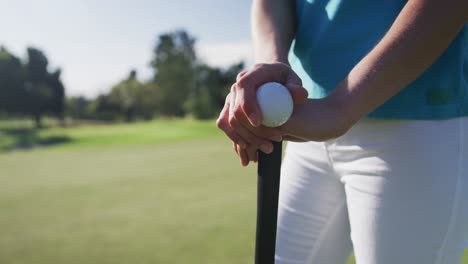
[97, 42]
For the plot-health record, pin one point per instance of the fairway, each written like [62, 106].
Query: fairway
[127, 194]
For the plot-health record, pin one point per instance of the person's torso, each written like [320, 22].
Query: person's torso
[333, 36]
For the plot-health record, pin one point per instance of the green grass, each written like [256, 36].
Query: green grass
[19, 134]
[180, 202]
[158, 192]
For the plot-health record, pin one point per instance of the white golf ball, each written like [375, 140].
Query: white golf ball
[276, 104]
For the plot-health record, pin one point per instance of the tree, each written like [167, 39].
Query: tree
[56, 105]
[12, 78]
[126, 96]
[45, 92]
[148, 99]
[104, 108]
[212, 85]
[174, 71]
[77, 107]
[39, 93]
[229, 76]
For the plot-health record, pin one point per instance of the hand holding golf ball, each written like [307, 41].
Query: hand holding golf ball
[276, 104]
[253, 113]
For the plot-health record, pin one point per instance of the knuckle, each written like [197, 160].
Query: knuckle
[240, 74]
[242, 82]
[227, 100]
[220, 123]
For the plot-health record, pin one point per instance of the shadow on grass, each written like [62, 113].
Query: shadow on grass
[29, 138]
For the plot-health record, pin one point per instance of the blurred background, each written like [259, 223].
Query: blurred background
[108, 147]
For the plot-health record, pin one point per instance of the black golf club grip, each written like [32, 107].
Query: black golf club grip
[269, 166]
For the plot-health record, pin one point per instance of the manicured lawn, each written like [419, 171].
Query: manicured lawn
[159, 192]
[20, 134]
[181, 202]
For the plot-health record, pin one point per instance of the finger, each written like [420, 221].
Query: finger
[244, 105]
[270, 133]
[235, 146]
[240, 74]
[240, 133]
[257, 135]
[223, 124]
[232, 100]
[294, 139]
[244, 158]
[232, 104]
[297, 90]
[252, 153]
[293, 78]
[298, 93]
[251, 139]
[248, 83]
[224, 115]
[243, 136]
[263, 73]
[235, 137]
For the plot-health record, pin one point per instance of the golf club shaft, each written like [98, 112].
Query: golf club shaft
[269, 166]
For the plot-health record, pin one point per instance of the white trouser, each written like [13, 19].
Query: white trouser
[395, 191]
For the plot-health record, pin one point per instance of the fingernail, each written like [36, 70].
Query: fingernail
[266, 148]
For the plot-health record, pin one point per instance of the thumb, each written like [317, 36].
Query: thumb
[298, 93]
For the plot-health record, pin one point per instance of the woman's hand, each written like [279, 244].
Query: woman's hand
[241, 118]
[315, 120]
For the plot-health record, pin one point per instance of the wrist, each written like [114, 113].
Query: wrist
[342, 112]
[346, 105]
[318, 120]
[275, 57]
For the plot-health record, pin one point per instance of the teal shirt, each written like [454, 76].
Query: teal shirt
[333, 36]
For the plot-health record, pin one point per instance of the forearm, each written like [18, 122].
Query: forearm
[273, 29]
[419, 35]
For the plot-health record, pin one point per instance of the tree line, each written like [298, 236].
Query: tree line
[181, 85]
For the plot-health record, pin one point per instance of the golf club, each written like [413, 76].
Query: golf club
[269, 166]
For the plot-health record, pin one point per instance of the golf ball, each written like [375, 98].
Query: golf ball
[276, 104]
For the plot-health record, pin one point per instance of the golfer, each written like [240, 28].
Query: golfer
[378, 153]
